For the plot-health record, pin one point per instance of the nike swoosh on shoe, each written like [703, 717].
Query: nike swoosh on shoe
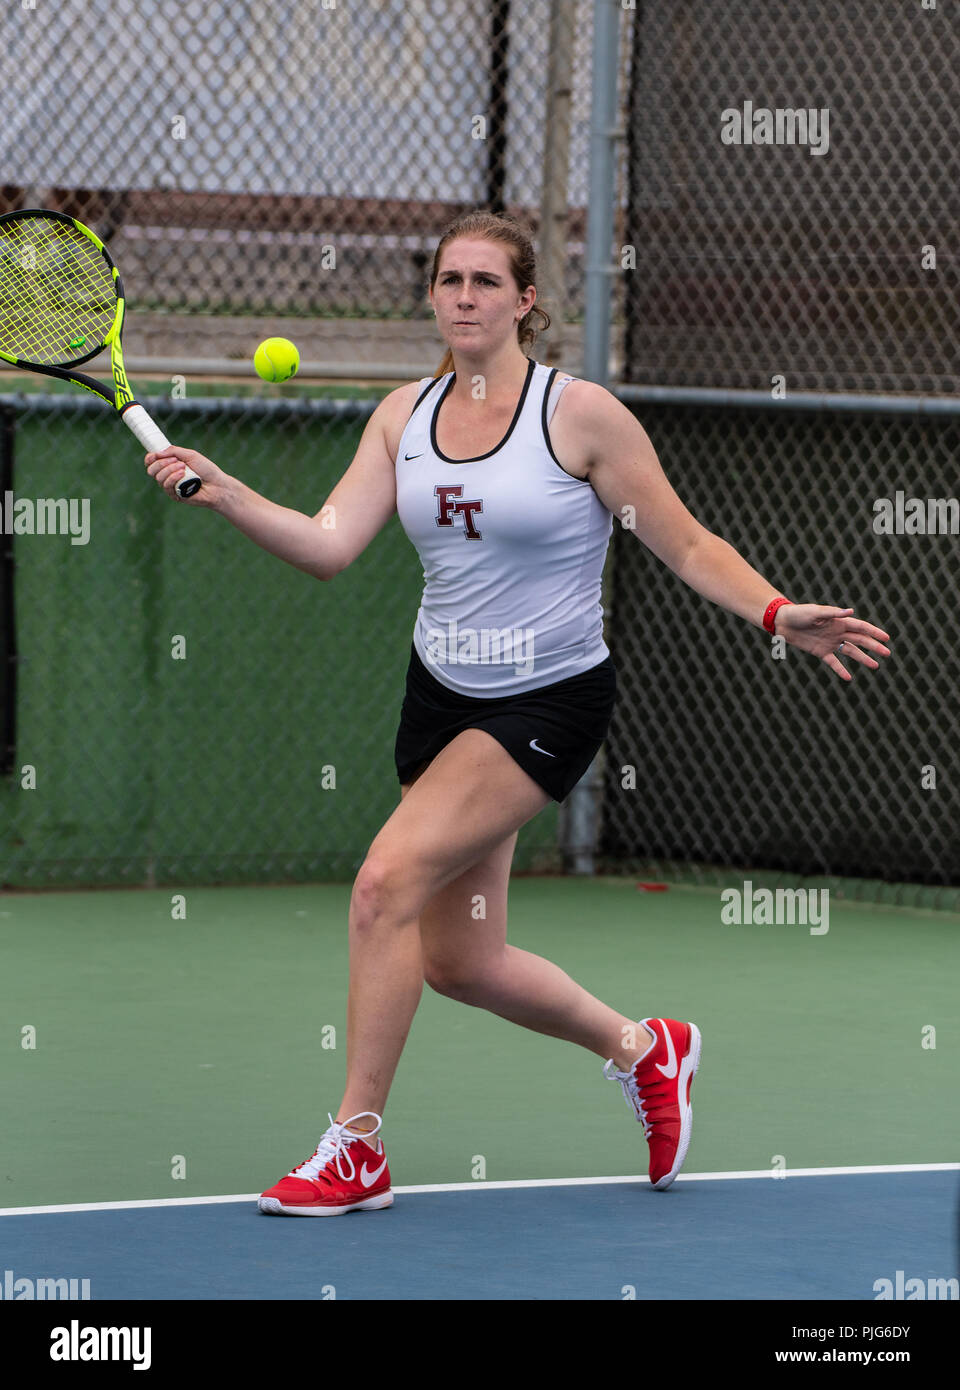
[367, 1178]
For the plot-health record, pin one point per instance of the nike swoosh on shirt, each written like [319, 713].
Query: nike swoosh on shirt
[413, 456]
[533, 744]
[367, 1178]
[670, 1070]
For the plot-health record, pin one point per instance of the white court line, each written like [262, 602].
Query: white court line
[501, 1186]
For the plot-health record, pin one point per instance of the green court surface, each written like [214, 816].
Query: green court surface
[201, 1042]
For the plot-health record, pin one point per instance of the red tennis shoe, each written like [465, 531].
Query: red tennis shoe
[347, 1172]
[657, 1090]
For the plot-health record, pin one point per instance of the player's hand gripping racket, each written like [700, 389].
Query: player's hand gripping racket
[61, 303]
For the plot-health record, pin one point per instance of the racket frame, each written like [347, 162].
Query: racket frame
[139, 421]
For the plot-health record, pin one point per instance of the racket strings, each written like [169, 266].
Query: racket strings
[58, 299]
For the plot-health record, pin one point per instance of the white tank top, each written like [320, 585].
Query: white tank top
[512, 549]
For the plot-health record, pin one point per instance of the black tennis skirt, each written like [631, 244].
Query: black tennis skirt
[553, 732]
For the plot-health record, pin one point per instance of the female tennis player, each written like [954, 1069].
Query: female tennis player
[506, 476]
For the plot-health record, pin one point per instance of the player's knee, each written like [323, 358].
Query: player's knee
[447, 981]
[372, 889]
[385, 887]
[454, 979]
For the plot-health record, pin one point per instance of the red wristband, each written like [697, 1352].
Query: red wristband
[772, 607]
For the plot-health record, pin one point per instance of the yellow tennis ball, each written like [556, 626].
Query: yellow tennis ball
[276, 359]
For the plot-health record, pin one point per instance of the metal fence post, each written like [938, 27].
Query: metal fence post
[556, 166]
[578, 814]
[603, 135]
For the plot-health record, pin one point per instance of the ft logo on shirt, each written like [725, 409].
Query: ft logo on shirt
[447, 509]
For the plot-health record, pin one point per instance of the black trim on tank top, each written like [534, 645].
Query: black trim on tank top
[543, 414]
[546, 431]
[497, 447]
[423, 394]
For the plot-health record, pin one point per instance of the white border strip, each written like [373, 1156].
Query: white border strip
[501, 1186]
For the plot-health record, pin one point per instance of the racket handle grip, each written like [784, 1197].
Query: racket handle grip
[153, 439]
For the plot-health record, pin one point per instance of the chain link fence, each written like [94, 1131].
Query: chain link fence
[729, 749]
[791, 196]
[294, 158]
[788, 221]
[180, 706]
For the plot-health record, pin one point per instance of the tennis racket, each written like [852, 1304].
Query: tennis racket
[61, 303]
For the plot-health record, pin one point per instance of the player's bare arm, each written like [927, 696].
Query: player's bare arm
[622, 467]
[354, 513]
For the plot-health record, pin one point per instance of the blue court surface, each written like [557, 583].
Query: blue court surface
[799, 1237]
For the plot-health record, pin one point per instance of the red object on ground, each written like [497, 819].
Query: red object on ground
[654, 887]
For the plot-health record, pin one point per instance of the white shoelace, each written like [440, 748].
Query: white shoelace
[335, 1144]
[631, 1094]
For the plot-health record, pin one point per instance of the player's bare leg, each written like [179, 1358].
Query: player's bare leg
[469, 959]
[471, 797]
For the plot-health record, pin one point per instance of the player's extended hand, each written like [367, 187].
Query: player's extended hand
[817, 628]
[167, 467]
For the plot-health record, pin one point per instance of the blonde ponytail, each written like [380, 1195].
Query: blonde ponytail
[445, 366]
